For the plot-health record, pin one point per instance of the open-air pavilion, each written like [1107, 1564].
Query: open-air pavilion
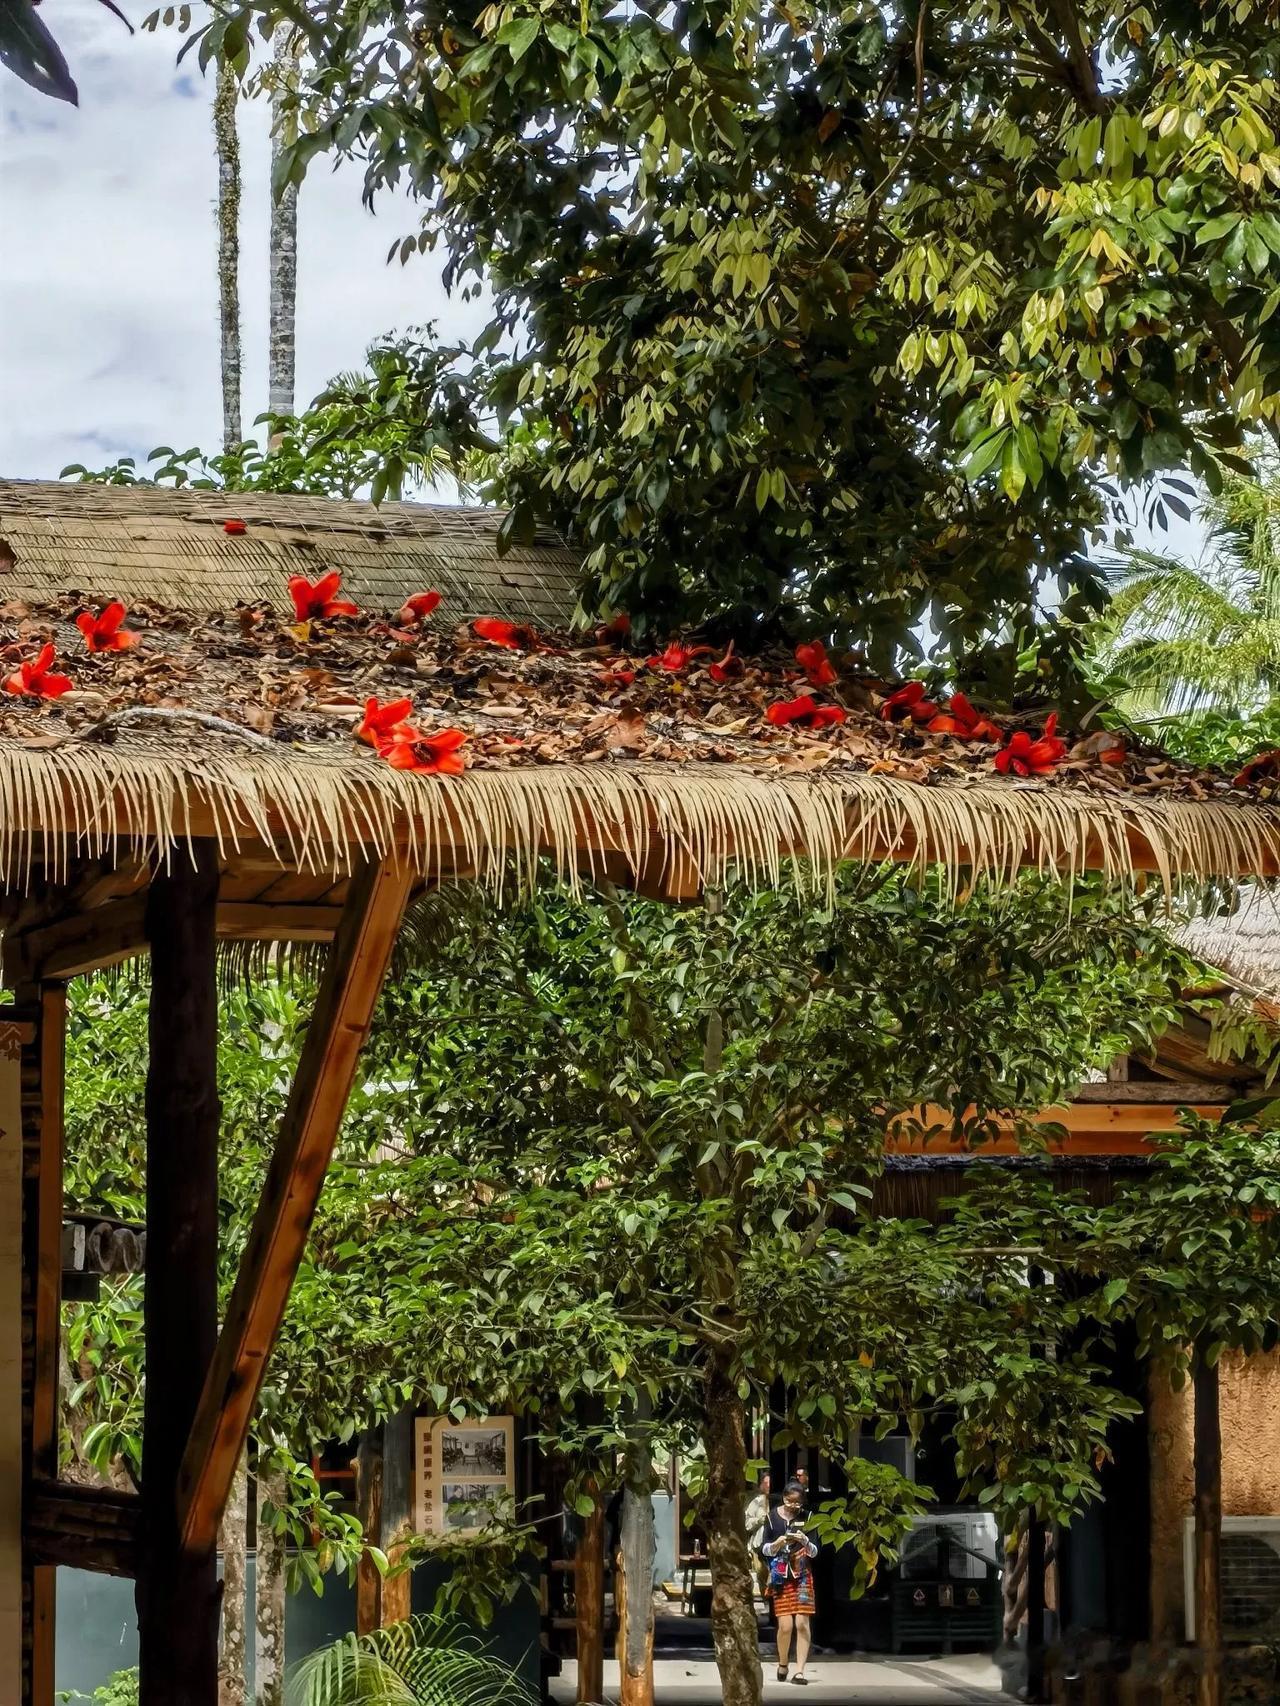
[203, 787]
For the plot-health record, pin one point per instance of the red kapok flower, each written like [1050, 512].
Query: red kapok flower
[233, 525]
[103, 633]
[817, 666]
[958, 717]
[617, 677]
[677, 658]
[728, 668]
[380, 720]
[616, 628]
[316, 598]
[806, 711]
[33, 679]
[1264, 768]
[408, 748]
[1027, 757]
[911, 702]
[515, 636]
[418, 608]
[1106, 746]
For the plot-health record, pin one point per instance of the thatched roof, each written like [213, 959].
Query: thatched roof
[149, 544]
[240, 723]
[1244, 944]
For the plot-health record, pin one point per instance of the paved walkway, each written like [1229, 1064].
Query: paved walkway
[966, 1680]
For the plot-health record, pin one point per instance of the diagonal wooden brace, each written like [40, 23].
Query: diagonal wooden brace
[348, 994]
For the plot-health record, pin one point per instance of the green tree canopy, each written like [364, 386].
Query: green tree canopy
[835, 315]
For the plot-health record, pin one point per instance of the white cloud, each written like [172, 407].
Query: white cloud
[108, 294]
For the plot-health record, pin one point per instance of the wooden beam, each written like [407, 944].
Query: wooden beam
[83, 1528]
[1092, 1129]
[1208, 1532]
[1168, 1091]
[588, 1604]
[348, 994]
[115, 932]
[177, 1592]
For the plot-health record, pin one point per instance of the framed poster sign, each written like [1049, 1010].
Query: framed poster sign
[466, 1472]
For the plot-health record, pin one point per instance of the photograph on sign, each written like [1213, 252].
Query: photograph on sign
[464, 1473]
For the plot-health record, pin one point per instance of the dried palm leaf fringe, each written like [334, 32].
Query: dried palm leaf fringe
[60, 806]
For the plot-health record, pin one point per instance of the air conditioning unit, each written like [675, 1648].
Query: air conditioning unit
[971, 1552]
[1250, 1577]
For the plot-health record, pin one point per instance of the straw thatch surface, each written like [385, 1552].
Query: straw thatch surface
[240, 723]
[1244, 943]
[156, 545]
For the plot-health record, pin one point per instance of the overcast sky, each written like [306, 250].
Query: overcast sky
[108, 294]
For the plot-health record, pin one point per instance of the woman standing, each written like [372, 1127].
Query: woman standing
[789, 1553]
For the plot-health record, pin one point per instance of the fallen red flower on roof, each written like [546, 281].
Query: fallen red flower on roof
[910, 700]
[233, 525]
[316, 598]
[958, 717]
[806, 712]
[515, 636]
[103, 633]
[1106, 746]
[408, 748]
[1265, 767]
[33, 679]
[728, 668]
[817, 666]
[379, 720]
[677, 657]
[418, 608]
[1027, 757]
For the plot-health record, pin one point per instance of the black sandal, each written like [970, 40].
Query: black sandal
[782, 1673]
[802, 1680]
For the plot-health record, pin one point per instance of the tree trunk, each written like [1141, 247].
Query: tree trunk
[177, 1591]
[634, 1579]
[1208, 1533]
[588, 1605]
[227, 142]
[397, 1513]
[733, 1615]
[369, 1510]
[284, 236]
[269, 1600]
[233, 1542]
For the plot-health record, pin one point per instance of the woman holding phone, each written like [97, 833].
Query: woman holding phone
[789, 1553]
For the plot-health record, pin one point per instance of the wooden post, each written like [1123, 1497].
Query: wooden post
[42, 1135]
[397, 1513]
[177, 1592]
[369, 1510]
[1208, 1533]
[347, 997]
[1035, 1609]
[588, 1601]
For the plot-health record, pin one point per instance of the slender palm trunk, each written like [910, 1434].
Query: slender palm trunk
[284, 237]
[227, 143]
[233, 1543]
[733, 1614]
[269, 1602]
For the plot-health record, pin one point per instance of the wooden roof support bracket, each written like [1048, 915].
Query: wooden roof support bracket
[348, 994]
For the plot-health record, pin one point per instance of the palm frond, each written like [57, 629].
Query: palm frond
[427, 1661]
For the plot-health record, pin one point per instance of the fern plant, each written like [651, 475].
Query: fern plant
[427, 1661]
